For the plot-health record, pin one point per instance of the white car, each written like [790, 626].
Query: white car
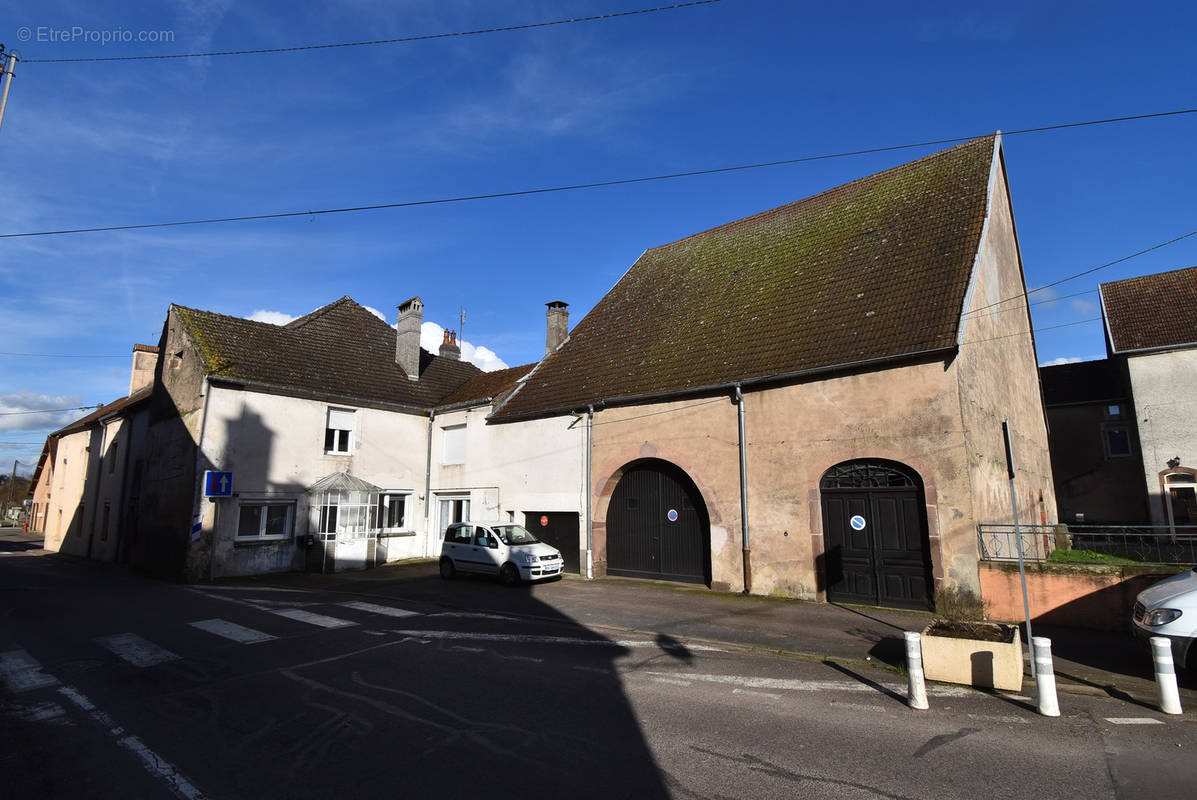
[498, 548]
[1169, 608]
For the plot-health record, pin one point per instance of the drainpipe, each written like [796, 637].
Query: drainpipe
[428, 490]
[744, 492]
[589, 522]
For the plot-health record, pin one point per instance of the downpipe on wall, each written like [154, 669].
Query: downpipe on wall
[589, 504]
[744, 492]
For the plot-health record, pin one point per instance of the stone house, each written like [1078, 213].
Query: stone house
[345, 442]
[809, 401]
[86, 486]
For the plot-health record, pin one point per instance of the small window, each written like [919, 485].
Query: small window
[265, 520]
[339, 432]
[1118, 442]
[1114, 410]
[462, 534]
[454, 445]
[394, 511]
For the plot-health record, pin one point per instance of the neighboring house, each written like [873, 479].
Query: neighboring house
[87, 480]
[809, 401]
[347, 445]
[1094, 441]
[1151, 330]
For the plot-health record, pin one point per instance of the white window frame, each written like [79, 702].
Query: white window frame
[384, 510]
[340, 421]
[261, 535]
[453, 445]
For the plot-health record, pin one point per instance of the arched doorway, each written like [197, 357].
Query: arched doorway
[876, 547]
[657, 525]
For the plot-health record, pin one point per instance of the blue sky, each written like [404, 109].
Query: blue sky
[734, 82]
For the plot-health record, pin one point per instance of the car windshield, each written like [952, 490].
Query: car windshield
[514, 534]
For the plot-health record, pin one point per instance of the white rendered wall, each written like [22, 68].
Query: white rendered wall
[1164, 387]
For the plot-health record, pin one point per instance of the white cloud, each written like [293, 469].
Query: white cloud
[273, 317]
[377, 313]
[1083, 306]
[28, 411]
[432, 335]
[1055, 362]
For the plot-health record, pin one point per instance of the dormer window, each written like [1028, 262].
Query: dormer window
[338, 435]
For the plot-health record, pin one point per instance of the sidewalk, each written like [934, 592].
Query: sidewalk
[1090, 662]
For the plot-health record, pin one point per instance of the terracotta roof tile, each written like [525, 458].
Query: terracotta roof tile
[1152, 311]
[489, 385]
[339, 350]
[872, 269]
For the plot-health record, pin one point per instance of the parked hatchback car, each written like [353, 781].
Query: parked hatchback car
[498, 548]
[1169, 608]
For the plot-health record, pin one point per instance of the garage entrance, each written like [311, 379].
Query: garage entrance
[877, 551]
[657, 525]
[560, 529]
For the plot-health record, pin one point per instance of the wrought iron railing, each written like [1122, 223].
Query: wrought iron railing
[1108, 544]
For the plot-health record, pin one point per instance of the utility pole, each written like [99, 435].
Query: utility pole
[10, 64]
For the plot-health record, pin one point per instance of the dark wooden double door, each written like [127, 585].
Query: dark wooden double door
[657, 526]
[876, 547]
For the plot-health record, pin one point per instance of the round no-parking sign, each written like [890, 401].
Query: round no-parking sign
[857, 522]
[671, 515]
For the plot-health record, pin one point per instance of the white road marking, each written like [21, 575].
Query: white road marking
[859, 707]
[464, 649]
[998, 718]
[21, 673]
[153, 763]
[42, 712]
[533, 639]
[674, 681]
[217, 587]
[770, 695]
[1134, 721]
[299, 615]
[135, 650]
[797, 685]
[377, 609]
[231, 630]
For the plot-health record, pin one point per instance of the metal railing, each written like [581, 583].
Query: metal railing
[1091, 544]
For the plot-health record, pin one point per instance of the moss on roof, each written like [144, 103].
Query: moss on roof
[340, 350]
[1152, 311]
[873, 269]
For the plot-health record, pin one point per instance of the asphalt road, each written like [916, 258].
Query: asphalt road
[119, 686]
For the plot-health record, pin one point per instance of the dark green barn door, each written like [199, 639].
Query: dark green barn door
[657, 526]
[876, 548]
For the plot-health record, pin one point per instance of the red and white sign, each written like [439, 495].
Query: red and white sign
[544, 520]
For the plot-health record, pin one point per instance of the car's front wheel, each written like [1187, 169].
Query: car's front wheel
[509, 575]
[447, 568]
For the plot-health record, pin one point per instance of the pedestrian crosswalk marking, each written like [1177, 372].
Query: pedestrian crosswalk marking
[137, 651]
[20, 672]
[373, 608]
[299, 615]
[231, 630]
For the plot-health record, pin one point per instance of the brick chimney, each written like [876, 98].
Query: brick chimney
[558, 325]
[407, 337]
[449, 348]
[145, 358]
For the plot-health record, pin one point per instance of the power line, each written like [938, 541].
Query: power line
[62, 355]
[591, 185]
[51, 410]
[374, 42]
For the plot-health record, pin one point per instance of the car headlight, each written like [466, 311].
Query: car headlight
[528, 558]
[1161, 616]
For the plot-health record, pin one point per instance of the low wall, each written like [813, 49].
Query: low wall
[1099, 596]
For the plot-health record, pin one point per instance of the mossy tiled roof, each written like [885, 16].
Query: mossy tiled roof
[340, 350]
[489, 385]
[1152, 311]
[874, 269]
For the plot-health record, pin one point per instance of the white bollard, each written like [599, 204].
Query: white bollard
[1045, 676]
[1165, 675]
[914, 669]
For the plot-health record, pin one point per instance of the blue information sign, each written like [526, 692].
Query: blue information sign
[857, 522]
[218, 484]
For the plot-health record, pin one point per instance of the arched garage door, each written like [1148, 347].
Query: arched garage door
[657, 525]
[877, 551]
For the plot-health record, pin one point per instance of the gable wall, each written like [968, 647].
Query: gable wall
[1164, 386]
[998, 378]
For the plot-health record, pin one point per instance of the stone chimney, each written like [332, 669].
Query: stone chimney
[558, 325]
[449, 348]
[407, 337]
[145, 358]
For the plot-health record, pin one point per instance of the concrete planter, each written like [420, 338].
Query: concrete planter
[988, 665]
